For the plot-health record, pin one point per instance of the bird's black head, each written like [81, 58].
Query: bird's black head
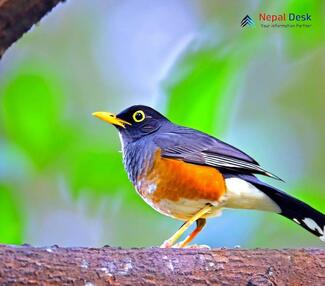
[134, 122]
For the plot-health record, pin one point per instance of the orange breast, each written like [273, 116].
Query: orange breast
[171, 179]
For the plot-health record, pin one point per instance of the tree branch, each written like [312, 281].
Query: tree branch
[18, 16]
[111, 266]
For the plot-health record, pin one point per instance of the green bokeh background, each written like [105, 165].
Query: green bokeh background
[262, 90]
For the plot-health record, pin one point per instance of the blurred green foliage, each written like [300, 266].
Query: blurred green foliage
[31, 112]
[11, 220]
[201, 89]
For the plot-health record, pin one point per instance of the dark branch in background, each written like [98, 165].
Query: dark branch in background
[110, 266]
[18, 16]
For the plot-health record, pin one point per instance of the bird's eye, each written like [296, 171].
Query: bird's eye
[138, 116]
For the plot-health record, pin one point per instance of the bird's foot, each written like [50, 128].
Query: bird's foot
[167, 244]
[191, 246]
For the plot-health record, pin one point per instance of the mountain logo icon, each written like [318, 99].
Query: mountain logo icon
[247, 21]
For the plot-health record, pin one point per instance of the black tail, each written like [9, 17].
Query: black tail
[293, 209]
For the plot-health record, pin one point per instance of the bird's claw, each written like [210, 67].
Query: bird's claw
[168, 244]
[191, 246]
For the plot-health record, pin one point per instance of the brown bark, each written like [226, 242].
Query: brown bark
[18, 16]
[111, 266]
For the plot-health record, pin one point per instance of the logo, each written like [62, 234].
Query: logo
[279, 20]
[247, 21]
[285, 20]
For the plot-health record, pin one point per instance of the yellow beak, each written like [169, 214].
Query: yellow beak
[111, 118]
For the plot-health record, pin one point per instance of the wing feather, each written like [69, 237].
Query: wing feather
[196, 147]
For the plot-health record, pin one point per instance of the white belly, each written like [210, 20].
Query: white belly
[184, 209]
[239, 195]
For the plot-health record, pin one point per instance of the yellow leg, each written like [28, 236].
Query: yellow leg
[200, 223]
[172, 240]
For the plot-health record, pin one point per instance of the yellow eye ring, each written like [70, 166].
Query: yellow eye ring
[138, 116]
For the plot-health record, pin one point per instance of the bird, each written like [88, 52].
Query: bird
[191, 176]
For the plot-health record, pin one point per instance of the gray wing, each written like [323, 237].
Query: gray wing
[195, 147]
